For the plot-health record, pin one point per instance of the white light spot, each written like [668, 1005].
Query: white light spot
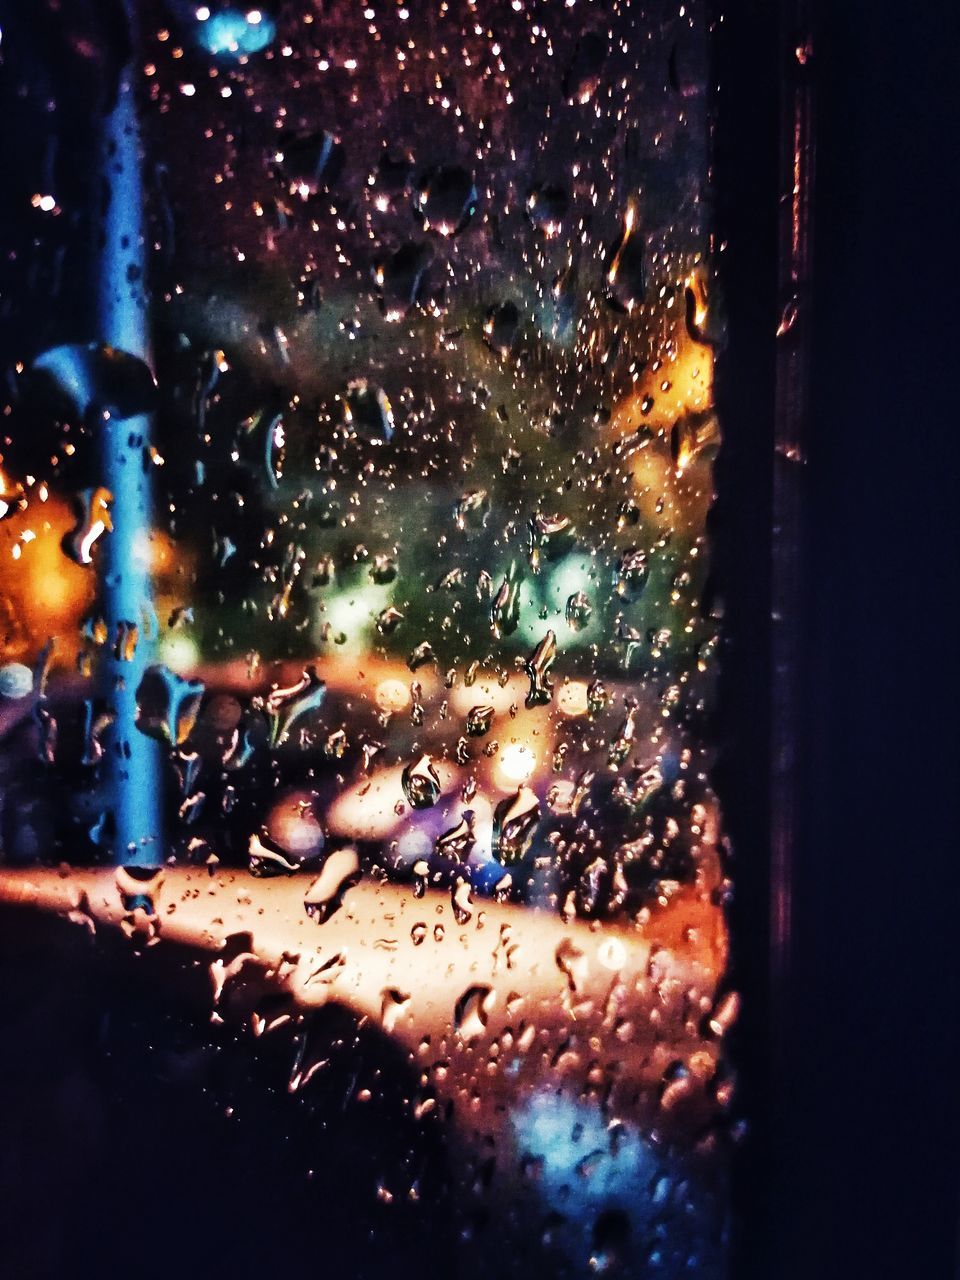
[517, 762]
[612, 954]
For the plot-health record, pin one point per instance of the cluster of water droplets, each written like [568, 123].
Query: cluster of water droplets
[430, 603]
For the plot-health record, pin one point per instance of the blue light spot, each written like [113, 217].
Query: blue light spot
[235, 33]
[570, 1136]
[589, 1166]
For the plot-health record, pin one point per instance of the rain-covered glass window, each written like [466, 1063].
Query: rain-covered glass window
[359, 642]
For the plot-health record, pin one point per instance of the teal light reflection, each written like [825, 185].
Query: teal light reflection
[235, 33]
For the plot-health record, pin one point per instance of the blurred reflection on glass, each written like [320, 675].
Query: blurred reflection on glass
[359, 643]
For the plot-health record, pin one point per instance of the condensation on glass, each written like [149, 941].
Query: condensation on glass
[359, 617]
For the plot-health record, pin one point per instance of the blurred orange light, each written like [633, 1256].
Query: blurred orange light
[392, 695]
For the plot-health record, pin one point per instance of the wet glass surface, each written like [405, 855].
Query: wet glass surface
[359, 637]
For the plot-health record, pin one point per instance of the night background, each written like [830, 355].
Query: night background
[845, 1081]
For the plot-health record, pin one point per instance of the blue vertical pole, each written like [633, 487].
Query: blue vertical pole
[132, 760]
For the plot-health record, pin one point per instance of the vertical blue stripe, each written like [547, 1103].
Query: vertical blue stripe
[132, 759]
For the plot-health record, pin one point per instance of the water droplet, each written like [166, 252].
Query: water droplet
[537, 668]
[631, 574]
[388, 620]
[626, 273]
[694, 436]
[400, 280]
[421, 656]
[383, 569]
[139, 886]
[309, 162]
[420, 783]
[479, 720]
[612, 954]
[623, 743]
[139, 889]
[788, 317]
[16, 680]
[263, 445]
[472, 1012]
[93, 520]
[560, 314]
[446, 199]
[597, 696]
[514, 822]
[167, 705]
[725, 1013]
[546, 208]
[578, 611]
[583, 75]
[293, 826]
[543, 532]
[287, 707]
[472, 509]
[573, 963]
[500, 328]
[393, 1006]
[461, 901]
[264, 861]
[98, 380]
[367, 411]
[505, 607]
[457, 842]
[677, 1085]
[393, 177]
[611, 1240]
[324, 572]
[340, 871]
[704, 323]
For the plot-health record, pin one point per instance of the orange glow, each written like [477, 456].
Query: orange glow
[392, 695]
[43, 594]
[698, 289]
[684, 940]
[11, 494]
[690, 379]
[628, 221]
[572, 698]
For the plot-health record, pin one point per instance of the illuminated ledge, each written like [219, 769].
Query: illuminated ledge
[509, 999]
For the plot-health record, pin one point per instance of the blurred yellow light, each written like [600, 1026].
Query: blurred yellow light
[486, 689]
[572, 698]
[179, 651]
[516, 763]
[392, 695]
